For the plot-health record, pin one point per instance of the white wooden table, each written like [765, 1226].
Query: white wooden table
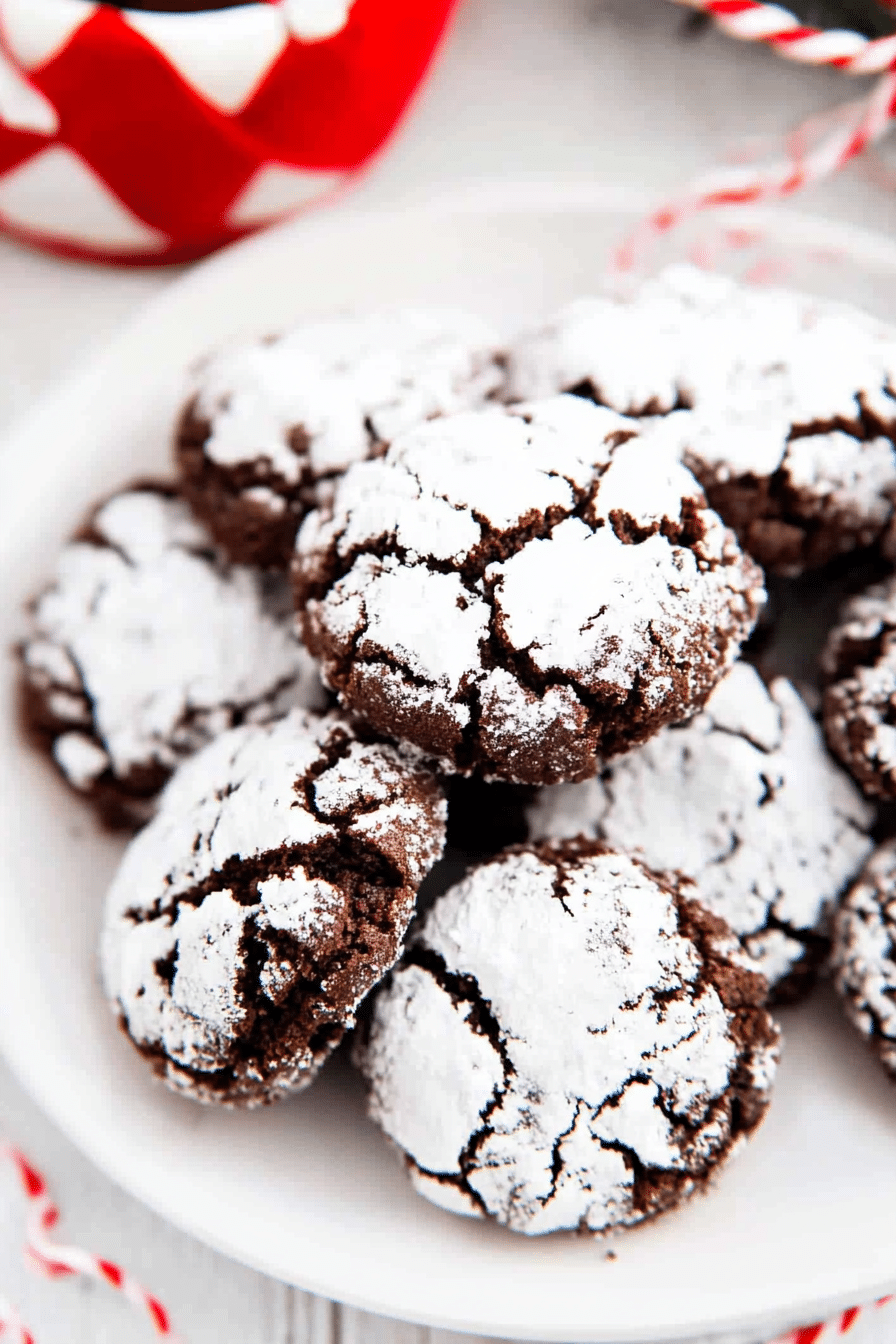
[562, 89]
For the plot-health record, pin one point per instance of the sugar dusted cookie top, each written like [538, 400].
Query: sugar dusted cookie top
[147, 644]
[569, 1043]
[794, 397]
[863, 963]
[860, 663]
[518, 591]
[270, 892]
[272, 424]
[745, 800]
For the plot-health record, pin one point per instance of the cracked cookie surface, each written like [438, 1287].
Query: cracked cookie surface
[267, 896]
[147, 645]
[859, 662]
[863, 962]
[516, 592]
[570, 1042]
[745, 800]
[795, 398]
[272, 424]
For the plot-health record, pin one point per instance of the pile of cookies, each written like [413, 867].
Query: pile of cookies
[420, 601]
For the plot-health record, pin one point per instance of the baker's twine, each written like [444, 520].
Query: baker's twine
[805, 157]
[12, 1327]
[825, 1332]
[55, 1261]
[776, 27]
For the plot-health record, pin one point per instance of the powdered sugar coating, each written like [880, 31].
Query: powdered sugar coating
[271, 424]
[860, 702]
[863, 963]
[794, 397]
[270, 892]
[563, 1046]
[147, 645]
[745, 800]
[512, 591]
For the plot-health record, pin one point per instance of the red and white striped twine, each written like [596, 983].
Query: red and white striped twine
[805, 158]
[827, 1331]
[12, 1328]
[57, 1261]
[755, 21]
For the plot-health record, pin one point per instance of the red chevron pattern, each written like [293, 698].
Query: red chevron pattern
[164, 152]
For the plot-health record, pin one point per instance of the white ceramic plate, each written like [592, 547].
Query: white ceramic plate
[801, 1224]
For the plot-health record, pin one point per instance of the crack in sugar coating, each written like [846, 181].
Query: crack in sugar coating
[273, 424]
[863, 964]
[115, 682]
[744, 799]
[268, 895]
[516, 592]
[859, 661]
[599, 1093]
[794, 398]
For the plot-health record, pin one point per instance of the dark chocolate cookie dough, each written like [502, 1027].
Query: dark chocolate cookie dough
[147, 644]
[863, 964]
[794, 397]
[517, 592]
[859, 662]
[271, 425]
[746, 800]
[270, 892]
[570, 1042]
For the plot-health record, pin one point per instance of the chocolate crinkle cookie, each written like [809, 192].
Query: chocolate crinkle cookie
[746, 800]
[570, 1042]
[270, 892]
[794, 399]
[864, 957]
[147, 644]
[859, 662]
[517, 592]
[271, 425]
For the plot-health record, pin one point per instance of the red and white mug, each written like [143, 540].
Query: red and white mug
[136, 136]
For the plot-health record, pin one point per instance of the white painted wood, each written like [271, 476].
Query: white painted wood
[357, 1327]
[602, 88]
[211, 1299]
[311, 1320]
